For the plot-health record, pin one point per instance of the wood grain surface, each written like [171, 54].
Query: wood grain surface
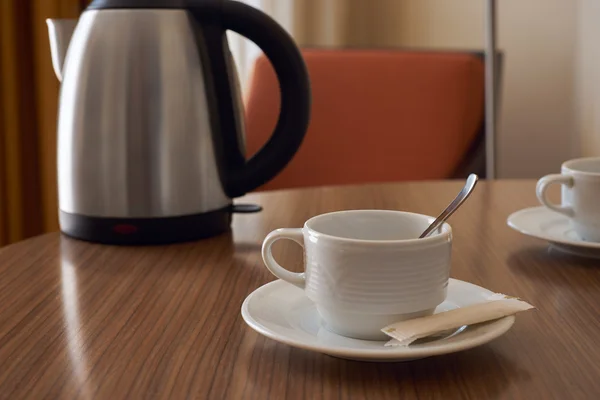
[80, 320]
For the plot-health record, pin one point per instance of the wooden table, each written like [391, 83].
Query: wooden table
[80, 320]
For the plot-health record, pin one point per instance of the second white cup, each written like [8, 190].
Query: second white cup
[365, 269]
[580, 181]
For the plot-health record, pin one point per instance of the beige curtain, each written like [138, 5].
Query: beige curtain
[325, 23]
[28, 100]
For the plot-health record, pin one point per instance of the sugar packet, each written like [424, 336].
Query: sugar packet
[496, 306]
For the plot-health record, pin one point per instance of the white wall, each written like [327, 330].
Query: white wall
[538, 124]
[588, 77]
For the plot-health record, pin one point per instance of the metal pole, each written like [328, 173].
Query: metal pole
[490, 89]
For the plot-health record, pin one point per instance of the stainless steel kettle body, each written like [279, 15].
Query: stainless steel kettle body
[150, 142]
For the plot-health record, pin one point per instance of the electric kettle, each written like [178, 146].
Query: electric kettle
[150, 126]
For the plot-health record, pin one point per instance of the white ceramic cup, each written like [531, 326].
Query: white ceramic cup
[365, 269]
[580, 180]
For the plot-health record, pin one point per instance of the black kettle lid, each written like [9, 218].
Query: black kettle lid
[112, 4]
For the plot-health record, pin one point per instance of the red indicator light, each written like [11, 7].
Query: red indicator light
[125, 229]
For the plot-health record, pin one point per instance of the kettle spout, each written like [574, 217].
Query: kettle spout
[60, 32]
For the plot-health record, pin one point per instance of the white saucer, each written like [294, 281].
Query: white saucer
[553, 227]
[282, 312]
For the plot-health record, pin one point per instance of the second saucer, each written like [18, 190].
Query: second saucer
[557, 229]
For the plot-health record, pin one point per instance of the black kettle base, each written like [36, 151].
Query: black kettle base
[146, 231]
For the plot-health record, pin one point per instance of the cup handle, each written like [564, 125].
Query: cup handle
[543, 185]
[295, 234]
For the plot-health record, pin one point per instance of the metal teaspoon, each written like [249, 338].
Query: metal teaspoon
[456, 203]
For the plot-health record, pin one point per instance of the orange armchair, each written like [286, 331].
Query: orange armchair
[377, 116]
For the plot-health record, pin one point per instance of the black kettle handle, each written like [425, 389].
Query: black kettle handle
[242, 177]
[294, 85]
